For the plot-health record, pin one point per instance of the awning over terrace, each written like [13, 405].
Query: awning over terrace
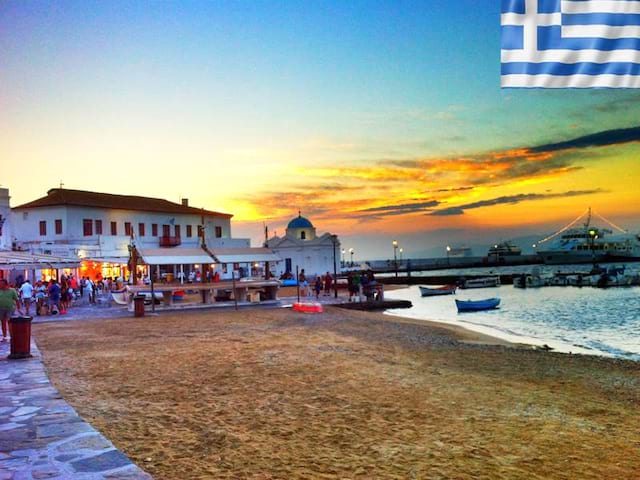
[12, 260]
[175, 256]
[245, 255]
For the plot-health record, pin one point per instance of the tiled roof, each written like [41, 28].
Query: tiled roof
[79, 198]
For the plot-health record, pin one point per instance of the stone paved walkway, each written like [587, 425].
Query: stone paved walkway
[42, 437]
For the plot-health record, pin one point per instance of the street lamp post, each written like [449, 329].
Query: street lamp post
[342, 261]
[334, 240]
[395, 256]
[351, 253]
[448, 255]
[593, 235]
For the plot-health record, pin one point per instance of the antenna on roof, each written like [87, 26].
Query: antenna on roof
[61, 184]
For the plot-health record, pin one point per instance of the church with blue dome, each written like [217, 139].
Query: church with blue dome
[302, 247]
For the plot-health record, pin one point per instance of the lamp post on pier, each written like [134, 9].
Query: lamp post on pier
[593, 235]
[334, 240]
[351, 253]
[448, 254]
[395, 256]
[342, 261]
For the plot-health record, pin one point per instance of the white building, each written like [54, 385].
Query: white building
[302, 248]
[6, 237]
[100, 227]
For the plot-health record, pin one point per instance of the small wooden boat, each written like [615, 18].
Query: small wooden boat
[477, 305]
[121, 297]
[484, 282]
[432, 292]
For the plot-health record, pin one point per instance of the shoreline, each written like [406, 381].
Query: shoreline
[509, 336]
[497, 337]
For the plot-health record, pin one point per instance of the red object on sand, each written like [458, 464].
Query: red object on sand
[308, 307]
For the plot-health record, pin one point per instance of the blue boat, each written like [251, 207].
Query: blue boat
[477, 305]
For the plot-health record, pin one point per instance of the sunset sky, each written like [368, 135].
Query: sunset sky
[378, 120]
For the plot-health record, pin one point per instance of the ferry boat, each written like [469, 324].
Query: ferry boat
[589, 244]
[504, 249]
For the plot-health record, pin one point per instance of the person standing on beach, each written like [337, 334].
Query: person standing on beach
[318, 286]
[26, 294]
[328, 282]
[8, 298]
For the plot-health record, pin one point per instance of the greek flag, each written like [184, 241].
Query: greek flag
[570, 44]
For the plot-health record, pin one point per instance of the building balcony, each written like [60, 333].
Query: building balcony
[167, 241]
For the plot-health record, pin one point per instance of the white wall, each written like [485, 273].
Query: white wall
[5, 212]
[26, 223]
[315, 260]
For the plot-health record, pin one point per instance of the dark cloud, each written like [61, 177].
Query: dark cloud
[600, 139]
[401, 209]
[453, 189]
[512, 200]
[447, 211]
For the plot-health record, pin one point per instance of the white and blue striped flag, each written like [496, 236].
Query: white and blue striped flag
[570, 44]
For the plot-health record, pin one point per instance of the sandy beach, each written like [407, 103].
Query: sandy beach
[275, 394]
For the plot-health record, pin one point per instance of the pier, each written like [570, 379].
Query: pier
[422, 264]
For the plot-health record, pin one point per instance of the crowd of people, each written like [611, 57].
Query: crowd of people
[51, 297]
[322, 282]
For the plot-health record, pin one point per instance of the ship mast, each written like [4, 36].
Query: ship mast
[588, 221]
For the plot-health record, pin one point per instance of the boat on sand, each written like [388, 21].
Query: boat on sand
[432, 292]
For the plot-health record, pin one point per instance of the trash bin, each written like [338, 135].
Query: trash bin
[20, 330]
[138, 306]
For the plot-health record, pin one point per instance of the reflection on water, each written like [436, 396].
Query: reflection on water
[580, 320]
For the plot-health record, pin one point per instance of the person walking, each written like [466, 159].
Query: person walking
[90, 288]
[26, 294]
[8, 299]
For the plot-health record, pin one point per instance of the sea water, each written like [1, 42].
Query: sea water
[569, 319]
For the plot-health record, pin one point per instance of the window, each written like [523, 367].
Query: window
[43, 227]
[1, 223]
[98, 227]
[303, 235]
[87, 227]
[141, 229]
[58, 226]
[127, 228]
[177, 228]
[200, 231]
[166, 230]
[154, 229]
[218, 232]
[114, 228]
[189, 231]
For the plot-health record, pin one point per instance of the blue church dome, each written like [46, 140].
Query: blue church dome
[300, 222]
